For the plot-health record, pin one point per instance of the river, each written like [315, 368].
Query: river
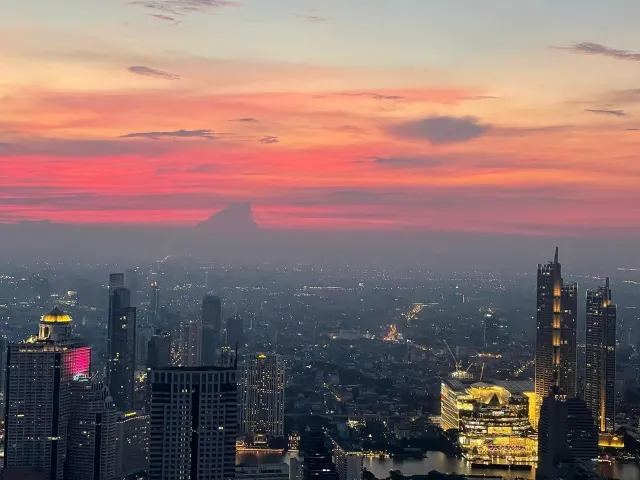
[440, 462]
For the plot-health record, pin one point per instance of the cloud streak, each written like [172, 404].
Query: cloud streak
[440, 130]
[268, 140]
[589, 48]
[180, 7]
[202, 133]
[152, 72]
[607, 111]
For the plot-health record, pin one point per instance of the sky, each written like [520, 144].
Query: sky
[492, 116]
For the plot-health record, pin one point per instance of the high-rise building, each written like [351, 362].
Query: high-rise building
[131, 281]
[318, 464]
[121, 348]
[263, 395]
[92, 432]
[116, 280]
[154, 302]
[490, 330]
[188, 344]
[600, 378]
[132, 444]
[348, 463]
[194, 420]
[211, 327]
[556, 318]
[296, 470]
[39, 399]
[567, 435]
[235, 331]
[4, 345]
[159, 350]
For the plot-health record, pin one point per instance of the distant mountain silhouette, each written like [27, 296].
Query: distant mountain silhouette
[237, 217]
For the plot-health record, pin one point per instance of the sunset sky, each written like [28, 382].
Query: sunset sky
[462, 115]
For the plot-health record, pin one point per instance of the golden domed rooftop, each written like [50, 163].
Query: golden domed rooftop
[56, 316]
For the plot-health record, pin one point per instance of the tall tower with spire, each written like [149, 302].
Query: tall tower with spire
[556, 319]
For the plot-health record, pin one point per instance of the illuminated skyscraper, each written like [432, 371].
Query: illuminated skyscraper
[557, 305]
[211, 326]
[121, 348]
[263, 396]
[92, 432]
[40, 375]
[194, 421]
[600, 379]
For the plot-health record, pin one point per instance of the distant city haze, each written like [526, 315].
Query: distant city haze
[439, 134]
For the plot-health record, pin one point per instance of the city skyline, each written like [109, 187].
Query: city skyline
[454, 116]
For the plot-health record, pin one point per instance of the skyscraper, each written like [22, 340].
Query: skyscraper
[211, 325]
[92, 432]
[116, 280]
[235, 331]
[556, 333]
[567, 435]
[159, 350]
[4, 345]
[263, 396]
[194, 419]
[318, 464]
[188, 344]
[154, 303]
[39, 399]
[121, 348]
[132, 443]
[600, 378]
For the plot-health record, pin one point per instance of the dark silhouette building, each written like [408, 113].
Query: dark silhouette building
[121, 348]
[235, 331]
[556, 319]
[159, 350]
[600, 377]
[211, 327]
[567, 435]
[154, 303]
[318, 462]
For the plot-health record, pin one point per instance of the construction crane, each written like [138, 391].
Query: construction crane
[459, 373]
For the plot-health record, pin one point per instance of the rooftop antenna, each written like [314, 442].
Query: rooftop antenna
[555, 259]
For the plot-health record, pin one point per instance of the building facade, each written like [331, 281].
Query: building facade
[39, 400]
[494, 419]
[265, 471]
[187, 346]
[132, 444]
[211, 329]
[263, 383]
[567, 435]
[348, 464]
[92, 432]
[556, 323]
[121, 348]
[600, 378]
[194, 419]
